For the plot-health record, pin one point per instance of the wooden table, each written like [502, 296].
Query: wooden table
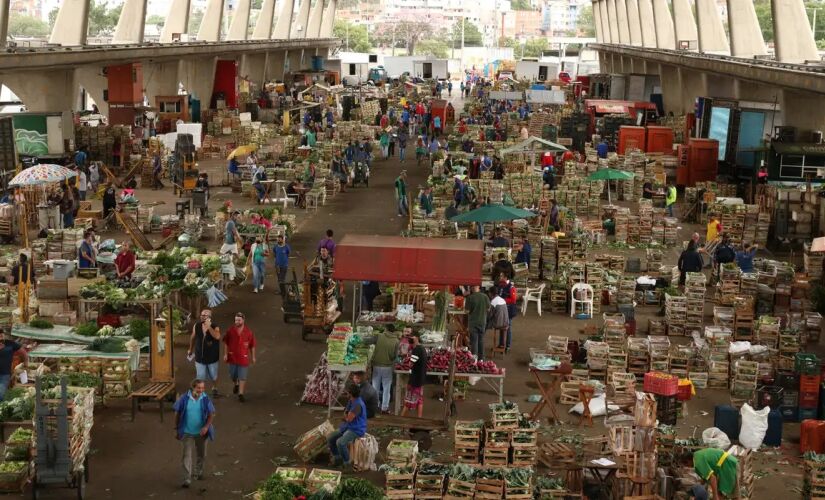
[548, 389]
[267, 198]
[603, 474]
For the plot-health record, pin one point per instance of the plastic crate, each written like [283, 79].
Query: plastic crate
[769, 395]
[661, 384]
[808, 400]
[684, 392]
[809, 383]
[806, 363]
[807, 414]
[789, 413]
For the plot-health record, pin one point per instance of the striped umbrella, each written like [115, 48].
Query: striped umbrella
[41, 174]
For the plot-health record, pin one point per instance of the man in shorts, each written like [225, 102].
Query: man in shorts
[230, 241]
[418, 375]
[205, 346]
[240, 350]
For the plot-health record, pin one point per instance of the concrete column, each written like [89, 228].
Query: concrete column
[44, 91]
[665, 34]
[177, 20]
[694, 84]
[603, 18]
[624, 27]
[671, 81]
[329, 19]
[684, 22]
[722, 87]
[314, 25]
[634, 22]
[796, 110]
[300, 24]
[648, 23]
[284, 24]
[597, 20]
[130, 24]
[198, 77]
[793, 40]
[163, 78]
[210, 28]
[263, 26]
[745, 35]
[275, 64]
[94, 82]
[712, 36]
[4, 21]
[295, 60]
[71, 24]
[254, 66]
[613, 21]
[239, 27]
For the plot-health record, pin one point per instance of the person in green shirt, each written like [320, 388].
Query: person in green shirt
[477, 306]
[311, 140]
[425, 200]
[401, 194]
[384, 140]
[718, 469]
[670, 200]
[383, 361]
[257, 255]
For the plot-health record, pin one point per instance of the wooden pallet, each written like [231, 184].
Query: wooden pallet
[556, 455]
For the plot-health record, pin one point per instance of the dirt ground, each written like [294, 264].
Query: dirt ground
[141, 459]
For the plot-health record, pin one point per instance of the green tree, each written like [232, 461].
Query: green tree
[585, 24]
[521, 5]
[508, 42]
[195, 18]
[472, 35]
[765, 18]
[412, 32]
[156, 20]
[432, 47]
[534, 47]
[53, 17]
[355, 36]
[27, 26]
[257, 4]
[102, 19]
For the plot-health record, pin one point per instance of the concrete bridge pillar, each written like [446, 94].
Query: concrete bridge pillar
[634, 23]
[684, 22]
[255, 67]
[198, 78]
[604, 19]
[624, 26]
[94, 82]
[295, 60]
[712, 36]
[210, 28]
[329, 19]
[665, 34]
[745, 35]
[263, 26]
[314, 25]
[239, 27]
[177, 20]
[71, 24]
[163, 79]
[793, 39]
[300, 24]
[648, 23]
[671, 79]
[613, 21]
[43, 91]
[597, 20]
[4, 21]
[284, 24]
[694, 84]
[275, 64]
[130, 24]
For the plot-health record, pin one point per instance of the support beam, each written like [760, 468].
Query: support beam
[210, 29]
[597, 20]
[45, 91]
[299, 28]
[665, 33]
[130, 24]
[745, 35]
[4, 21]
[329, 19]
[284, 25]
[263, 26]
[793, 39]
[275, 65]
[648, 23]
[624, 27]
[671, 81]
[177, 20]
[94, 82]
[684, 22]
[634, 22]
[603, 18]
[613, 21]
[712, 37]
[239, 27]
[314, 25]
[71, 24]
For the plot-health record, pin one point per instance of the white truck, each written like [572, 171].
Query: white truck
[538, 71]
[432, 69]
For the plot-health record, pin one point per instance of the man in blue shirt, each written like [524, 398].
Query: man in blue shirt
[80, 157]
[744, 257]
[7, 350]
[353, 427]
[349, 154]
[601, 149]
[194, 413]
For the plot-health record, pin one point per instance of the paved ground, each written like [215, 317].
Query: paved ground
[142, 459]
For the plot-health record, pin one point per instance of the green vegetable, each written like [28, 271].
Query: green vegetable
[87, 329]
[13, 467]
[463, 472]
[108, 344]
[41, 323]
[518, 477]
[277, 488]
[139, 329]
[51, 380]
[356, 488]
[19, 409]
[20, 435]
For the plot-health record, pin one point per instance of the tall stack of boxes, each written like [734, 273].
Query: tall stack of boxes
[125, 92]
[807, 366]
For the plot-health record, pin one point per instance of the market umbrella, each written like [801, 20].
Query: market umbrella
[610, 174]
[493, 213]
[41, 174]
[242, 150]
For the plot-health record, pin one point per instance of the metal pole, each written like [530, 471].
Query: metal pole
[347, 42]
[393, 40]
[813, 24]
[462, 42]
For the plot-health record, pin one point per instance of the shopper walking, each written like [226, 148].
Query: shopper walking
[281, 251]
[257, 255]
[418, 375]
[327, 242]
[670, 200]
[401, 194]
[383, 361]
[689, 262]
[477, 305]
[240, 353]
[194, 413]
[205, 349]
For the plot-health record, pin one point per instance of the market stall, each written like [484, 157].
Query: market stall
[529, 148]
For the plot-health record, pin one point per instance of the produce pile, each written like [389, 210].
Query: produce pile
[138, 329]
[18, 445]
[277, 488]
[347, 348]
[51, 380]
[317, 390]
[439, 361]
[18, 405]
[41, 323]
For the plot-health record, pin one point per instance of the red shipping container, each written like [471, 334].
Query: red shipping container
[809, 383]
[703, 160]
[226, 81]
[125, 83]
[659, 139]
[630, 138]
[808, 399]
[812, 436]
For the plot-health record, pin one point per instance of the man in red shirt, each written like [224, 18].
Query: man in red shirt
[240, 344]
[125, 261]
[547, 159]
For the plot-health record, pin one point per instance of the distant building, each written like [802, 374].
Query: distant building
[30, 8]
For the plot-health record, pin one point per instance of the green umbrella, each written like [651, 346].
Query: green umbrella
[610, 174]
[493, 213]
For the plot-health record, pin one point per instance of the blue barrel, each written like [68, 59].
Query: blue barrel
[774, 435]
[317, 63]
[726, 419]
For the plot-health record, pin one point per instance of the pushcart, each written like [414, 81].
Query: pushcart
[200, 200]
[361, 174]
[292, 300]
[317, 295]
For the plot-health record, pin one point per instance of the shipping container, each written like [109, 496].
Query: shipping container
[226, 83]
[631, 138]
[431, 69]
[659, 139]
[703, 158]
[125, 84]
[41, 135]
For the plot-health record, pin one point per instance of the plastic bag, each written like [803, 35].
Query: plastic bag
[754, 426]
[715, 438]
[596, 405]
[363, 452]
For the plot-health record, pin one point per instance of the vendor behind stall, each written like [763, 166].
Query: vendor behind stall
[22, 271]
[86, 253]
[8, 349]
[125, 261]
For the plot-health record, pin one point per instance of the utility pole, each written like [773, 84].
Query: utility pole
[813, 24]
[393, 40]
[462, 42]
[347, 40]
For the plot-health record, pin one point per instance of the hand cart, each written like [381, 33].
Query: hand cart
[293, 309]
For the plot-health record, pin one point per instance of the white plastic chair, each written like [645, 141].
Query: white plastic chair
[289, 198]
[532, 295]
[581, 293]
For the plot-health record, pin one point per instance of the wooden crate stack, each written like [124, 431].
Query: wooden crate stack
[597, 358]
[789, 346]
[675, 313]
[645, 221]
[718, 374]
[814, 480]
[659, 349]
[519, 491]
[729, 283]
[638, 357]
[695, 285]
[548, 256]
[490, 489]
[557, 347]
[656, 327]
[653, 257]
[429, 486]
[743, 318]
[467, 442]
[626, 290]
[402, 452]
[671, 232]
[813, 326]
[400, 484]
[558, 298]
[616, 361]
[724, 317]
[743, 382]
[622, 224]
[524, 444]
[497, 445]
[615, 330]
[679, 360]
[595, 278]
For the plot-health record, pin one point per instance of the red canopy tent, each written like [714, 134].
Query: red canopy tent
[393, 259]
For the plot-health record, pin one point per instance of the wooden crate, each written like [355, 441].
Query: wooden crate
[498, 457]
[644, 414]
[524, 456]
[569, 393]
[429, 486]
[489, 489]
[468, 433]
[525, 437]
[556, 455]
[315, 483]
[518, 493]
[457, 489]
[281, 471]
[497, 438]
[400, 486]
[402, 451]
[467, 455]
[505, 419]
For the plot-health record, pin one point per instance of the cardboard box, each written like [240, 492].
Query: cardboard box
[52, 308]
[75, 284]
[49, 289]
[66, 318]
